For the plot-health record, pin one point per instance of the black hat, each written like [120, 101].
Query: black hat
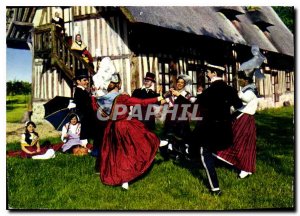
[81, 73]
[150, 76]
[219, 70]
[215, 68]
[244, 76]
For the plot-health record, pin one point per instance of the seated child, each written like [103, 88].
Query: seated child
[71, 134]
[30, 144]
[30, 140]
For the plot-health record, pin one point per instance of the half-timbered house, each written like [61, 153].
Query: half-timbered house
[165, 40]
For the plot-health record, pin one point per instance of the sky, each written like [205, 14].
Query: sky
[18, 65]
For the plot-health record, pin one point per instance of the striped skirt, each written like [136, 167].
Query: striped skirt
[243, 152]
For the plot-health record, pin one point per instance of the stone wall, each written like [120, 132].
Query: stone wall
[38, 112]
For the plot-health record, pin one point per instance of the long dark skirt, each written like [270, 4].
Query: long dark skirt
[243, 152]
[127, 151]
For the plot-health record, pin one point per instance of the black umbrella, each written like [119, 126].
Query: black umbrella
[56, 103]
[57, 111]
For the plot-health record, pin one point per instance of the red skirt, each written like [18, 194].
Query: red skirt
[22, 154]
[243, 152]
[127, 151]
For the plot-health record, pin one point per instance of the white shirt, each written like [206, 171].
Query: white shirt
[171, 101]
[250, 101]
[32, 137]
[73, 129]
[79, 86]
[215, 79]
[147, 89]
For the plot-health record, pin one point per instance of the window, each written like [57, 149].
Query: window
[231, 12]
[196, 71]
[276, 86]
[166, 74]
[288, 81]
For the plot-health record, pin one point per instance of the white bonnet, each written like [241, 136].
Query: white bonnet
[251, 67]
[188, 81]
[106, 74]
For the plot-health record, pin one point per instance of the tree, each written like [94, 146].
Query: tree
[26, 88]
[9, 88]
[287, 15]
[18, 87]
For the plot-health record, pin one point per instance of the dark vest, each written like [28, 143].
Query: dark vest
[27, 137]
[143, 94]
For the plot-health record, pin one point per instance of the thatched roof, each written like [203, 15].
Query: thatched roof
[233, 9]
[280, 35]
[230, 12]
[216, 22]
[260, 26]
[253, 34]
[197, 20]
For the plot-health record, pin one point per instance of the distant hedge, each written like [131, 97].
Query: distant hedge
[18, 87]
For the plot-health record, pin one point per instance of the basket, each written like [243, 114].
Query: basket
[80, 151]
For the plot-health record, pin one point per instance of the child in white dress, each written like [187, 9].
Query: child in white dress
[71, 134]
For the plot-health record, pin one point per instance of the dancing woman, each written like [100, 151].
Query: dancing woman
[243, 152]
[128, 148]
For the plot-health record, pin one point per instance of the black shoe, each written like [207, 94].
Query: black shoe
[216, 193]
[164, 152]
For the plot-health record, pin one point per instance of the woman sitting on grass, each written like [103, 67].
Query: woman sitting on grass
[30, 144]
[71, 134]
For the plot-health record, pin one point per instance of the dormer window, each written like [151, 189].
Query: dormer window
[259, 19]
[230, 12]
[263, 25]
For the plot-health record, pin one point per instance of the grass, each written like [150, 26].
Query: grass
[16, 106]
[69, 183]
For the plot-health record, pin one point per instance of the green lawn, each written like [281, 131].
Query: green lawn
[16, 106]
[68, 182]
